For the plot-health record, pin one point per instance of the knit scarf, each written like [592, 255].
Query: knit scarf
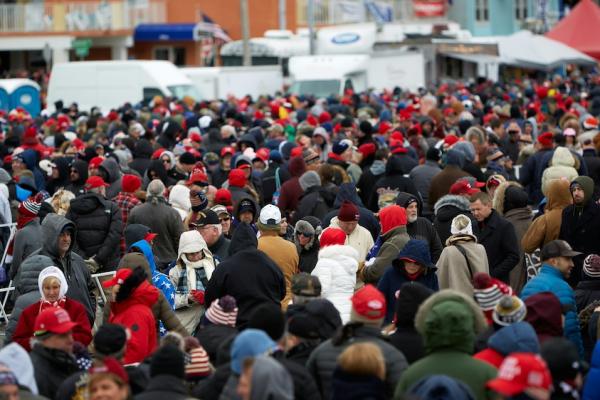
[23, 220]
[182, 281]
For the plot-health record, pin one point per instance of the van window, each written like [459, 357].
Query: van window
[150, 93]
[348, 85]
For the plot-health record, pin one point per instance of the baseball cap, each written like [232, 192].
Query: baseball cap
[304, 284]
[206, 217]
[463, 187]
[227, 150]
[270, 215]
[53, 320]
[219, 209]
[368, 305]
[199, 178]
[472, 181]
[247, 205]
[119, 278]
[519, 372]
[557, 248]
[95, 182]
[110, 365]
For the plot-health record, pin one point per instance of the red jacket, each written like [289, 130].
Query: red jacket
[81, 333]
[135, 315]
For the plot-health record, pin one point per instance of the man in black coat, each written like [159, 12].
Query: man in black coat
[393, 182]
[580, 222]
[99, 225]
[497, 235]
[592, 161]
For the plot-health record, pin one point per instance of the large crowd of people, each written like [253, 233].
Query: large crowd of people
[442, 244]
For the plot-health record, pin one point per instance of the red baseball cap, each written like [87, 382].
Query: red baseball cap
[198, 177]
[521, 371]
[53, 320]
[119, 278]
[263, 154]
[96, 162]
[463, 187]
[227, 150]
[95, 182]
[195, 137]
[472, 181]
[110, 365]
[369, 303]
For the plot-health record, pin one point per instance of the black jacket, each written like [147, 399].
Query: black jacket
[220, 250]
[366, 183]
[269, 182]
[499, 238]
[392, 182]
[305, 387]
[445, 209]
[251, 277]
[409, 342]
[587, 292]
[592, 161]
[77, 187]
[51, 368]
[211, 336]
[315, 202]
[162, 387]
[99, 226]
[141, 156]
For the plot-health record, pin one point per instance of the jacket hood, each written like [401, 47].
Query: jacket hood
[449, 320]
[191, 242]
[87, 203]
[62, 164]
[249, 139]
[236, 207]
[416, 250]
[403, 199]
[509, 195]
[270, 380]
[243, 238]
[441, 387]
[519, 337]
[144, 248]
[558, 194]
[54, 272]
[143, 149]
[112, 169]
[179, 197]
[544, 314]
[18, 359]
[459, 202]
[392, 217]
[347, 191]
[134, 233]
[52, 226]
[30, 270]
[310, 225]
[562, 157]
[297, 167]
[340, 252]
[82, 168]
[394, 166]
[587, 184]
[29, 157]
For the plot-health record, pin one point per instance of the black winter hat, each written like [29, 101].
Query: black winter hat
[433, 154]
[562, 358]
[134, 233]
[110, 339]
[268, 318]
[187, 158]
[304, 325]
[168, 360]
[411, 296]
[514, 197]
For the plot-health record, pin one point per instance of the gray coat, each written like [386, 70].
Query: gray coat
[421, 177]
[163, 220]
[27, 240]
[323, 360]
[27, 291]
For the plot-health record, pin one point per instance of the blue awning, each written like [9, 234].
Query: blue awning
[165, 32]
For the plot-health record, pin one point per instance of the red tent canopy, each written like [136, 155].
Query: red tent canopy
[580, 29]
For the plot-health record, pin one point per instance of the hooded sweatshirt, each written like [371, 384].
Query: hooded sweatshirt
[519, 337]
[179, 197]
[113, 172]
[160, 280]
[562, 165]
[77, 187]
[270, 380]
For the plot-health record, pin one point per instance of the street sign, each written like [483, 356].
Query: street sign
[81, 47]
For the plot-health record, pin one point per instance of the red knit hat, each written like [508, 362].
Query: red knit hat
[131, 183]
[368, 306]
[223, 197]
[546, 139]
[96, 162]
[237, 178]
[30, 136]
[332, 236]
[348, 212]
[392, 217]
[157, 153]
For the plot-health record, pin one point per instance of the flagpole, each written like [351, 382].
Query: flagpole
[247, 57]
[311, 24]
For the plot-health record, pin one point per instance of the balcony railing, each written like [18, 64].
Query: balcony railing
[73, 17]
[332, 12]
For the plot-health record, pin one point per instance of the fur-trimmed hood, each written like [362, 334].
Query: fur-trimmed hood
[442, 320]
[459, 202]
[500, 195]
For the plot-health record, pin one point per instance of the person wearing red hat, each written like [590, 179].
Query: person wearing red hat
[523, 375]
[366, 316]
[28, 236]
[108, 380]
[94, 165]
[530, 174]
[99, 225]
[336, 269]
[221, 174]
[291, 191]
[357, 236]
[132, 299]
[52, 353]
[126, 199]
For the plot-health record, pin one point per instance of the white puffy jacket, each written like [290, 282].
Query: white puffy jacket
[336, 270]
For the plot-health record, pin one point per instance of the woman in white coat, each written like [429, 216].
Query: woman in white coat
[336, 269]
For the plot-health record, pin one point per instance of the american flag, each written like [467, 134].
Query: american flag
[213, 29]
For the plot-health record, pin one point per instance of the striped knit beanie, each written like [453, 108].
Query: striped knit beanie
[31, 206]
[223, 311]
[488, 291]
[509, 310]
[199, 365]
[591, 266]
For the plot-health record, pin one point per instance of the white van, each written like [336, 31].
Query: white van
[110, 84]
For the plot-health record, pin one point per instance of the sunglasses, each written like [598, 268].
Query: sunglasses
[224, 219]
[308, 235]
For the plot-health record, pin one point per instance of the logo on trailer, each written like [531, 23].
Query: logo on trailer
[345, 38]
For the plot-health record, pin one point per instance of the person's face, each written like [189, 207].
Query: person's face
[73, 175]
[318, 140]
[17, 165]
[313, 165]
[51, 289]
[166, 162]
[258, 165]
[564, 265]
[480, 210]
[193, 257]
[55, 173]
[245, 384]
[64, 242]
[62, 342]
[412, 212]
[348, 226]
[226, 162]
[10, 392]
[247, 217]
[107, 389]
[578, 195]
[209, 233]
[225, 222]
[303, 239]
[93, 171]
[283, 226]
[411, 267]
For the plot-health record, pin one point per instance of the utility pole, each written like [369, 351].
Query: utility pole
[282, 14]
[247, 57]
[311, 25]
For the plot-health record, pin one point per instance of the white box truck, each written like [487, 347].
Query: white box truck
[110, 84]
[221, 82]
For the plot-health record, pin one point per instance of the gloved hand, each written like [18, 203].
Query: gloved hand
[198, 296]
[92, 265]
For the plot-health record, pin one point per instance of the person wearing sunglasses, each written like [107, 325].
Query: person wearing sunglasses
[224, 218]
[209, 226]
[306, 238]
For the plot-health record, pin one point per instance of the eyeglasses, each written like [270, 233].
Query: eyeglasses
[165, 161]
[224, 219]
[307, 235]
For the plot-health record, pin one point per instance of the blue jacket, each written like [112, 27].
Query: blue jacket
[519, 337]
[159, 280]
[591, 389]
[551, 279]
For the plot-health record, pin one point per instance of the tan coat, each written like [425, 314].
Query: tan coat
[284, 254]
[453, 271]
[546, 227]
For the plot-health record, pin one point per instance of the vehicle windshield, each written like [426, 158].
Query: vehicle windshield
[317, 88]
[180, 91]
